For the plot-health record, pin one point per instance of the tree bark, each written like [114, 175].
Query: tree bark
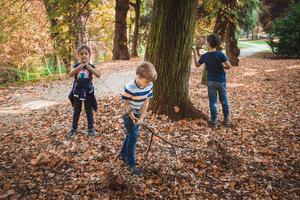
[59, 67]
[27, 71]
[120, 50]
[221, 22]
[169, 49]
[135, 38]
[80, 31]
[221, 25]
[232, 50]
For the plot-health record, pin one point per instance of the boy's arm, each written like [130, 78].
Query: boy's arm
[227, 65]
[197, 64]
[143, 112]
[128, 110]
[94, 71]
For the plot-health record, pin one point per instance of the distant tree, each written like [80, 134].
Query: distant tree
[135, 38]
[120, 50]
[271, 9]
[285, 33]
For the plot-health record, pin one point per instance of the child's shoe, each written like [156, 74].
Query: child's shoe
[72, 133]
[135, 171]
[91, 132]
[213, 124]
[227, 123]
[121, 158]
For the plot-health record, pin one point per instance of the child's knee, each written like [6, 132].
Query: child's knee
[77, 110]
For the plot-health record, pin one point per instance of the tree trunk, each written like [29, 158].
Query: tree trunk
[80, 23]
[169, 49]
[27, 71]
[46, 63]
[232, 50]
[80, 31]
[221, 23]
[120, 50]
[135, 38]
[59, 67]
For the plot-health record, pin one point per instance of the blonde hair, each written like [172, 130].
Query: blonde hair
[146, 70]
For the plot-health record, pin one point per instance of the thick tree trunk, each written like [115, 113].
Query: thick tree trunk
[169, 49]
[232, 50]
[135, 38]
[120, 50]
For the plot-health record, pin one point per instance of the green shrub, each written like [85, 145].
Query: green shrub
[285, 34]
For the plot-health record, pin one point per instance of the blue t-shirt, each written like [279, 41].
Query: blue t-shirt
[213, 63]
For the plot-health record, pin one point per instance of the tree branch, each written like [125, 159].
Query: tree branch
[132, 4]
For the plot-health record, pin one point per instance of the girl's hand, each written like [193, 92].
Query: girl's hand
[81, 66]
[89, 66]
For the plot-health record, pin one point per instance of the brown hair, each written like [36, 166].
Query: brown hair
[213, 40]
[84, 47]
[147, 70]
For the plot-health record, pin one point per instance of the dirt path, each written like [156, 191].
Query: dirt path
[42, 95]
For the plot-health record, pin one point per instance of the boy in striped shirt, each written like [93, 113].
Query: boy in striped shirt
[136, 97]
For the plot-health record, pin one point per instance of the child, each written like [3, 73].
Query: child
[136, 99]
[216, 78]
[83, 90]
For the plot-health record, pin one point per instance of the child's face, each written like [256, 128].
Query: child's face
[84, 56]
[143, 82]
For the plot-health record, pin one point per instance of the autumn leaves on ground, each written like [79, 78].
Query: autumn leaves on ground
[257, 158]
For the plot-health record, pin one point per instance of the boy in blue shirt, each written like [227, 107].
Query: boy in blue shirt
[136, 97]
[216, 63]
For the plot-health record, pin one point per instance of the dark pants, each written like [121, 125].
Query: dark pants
[88, 110]
[129, 144]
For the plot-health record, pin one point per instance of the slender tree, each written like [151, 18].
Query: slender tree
[135, 38]
[169, 49]
[120, 50]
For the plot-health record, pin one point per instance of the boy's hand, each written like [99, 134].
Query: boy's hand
[134, 119]
[140, 122]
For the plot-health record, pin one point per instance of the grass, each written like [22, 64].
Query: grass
[262, 42]
[243, 45]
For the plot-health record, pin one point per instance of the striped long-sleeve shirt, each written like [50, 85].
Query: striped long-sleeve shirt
[137, 95]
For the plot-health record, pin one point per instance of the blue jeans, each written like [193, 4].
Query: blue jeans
[215, 89]
[129, 144]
